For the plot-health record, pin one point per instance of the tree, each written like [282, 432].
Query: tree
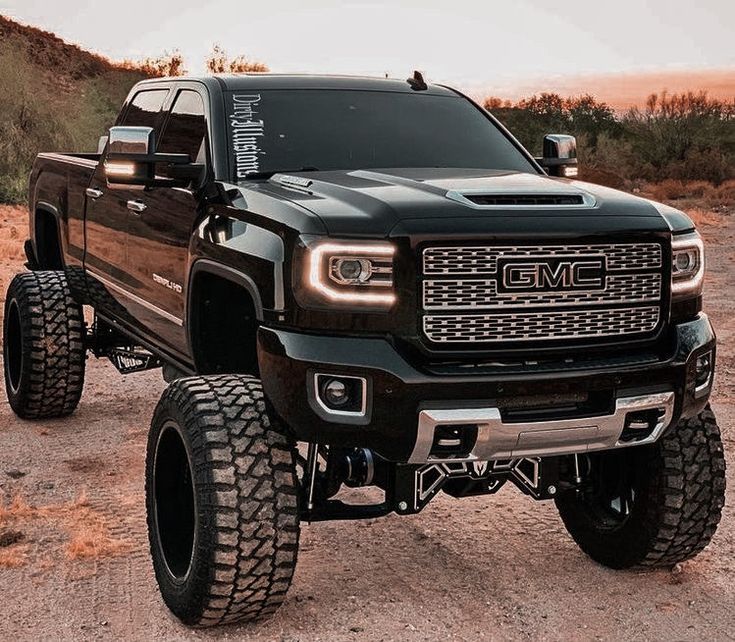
[586, 115]
[683, 136]
[169, 64]
[219, 63]
[531, 118]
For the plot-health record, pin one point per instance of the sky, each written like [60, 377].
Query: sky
[468, 44]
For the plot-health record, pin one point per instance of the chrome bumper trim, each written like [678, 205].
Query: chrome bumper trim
[499, 440]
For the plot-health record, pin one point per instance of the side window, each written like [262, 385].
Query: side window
[186, 129]
[145, 108]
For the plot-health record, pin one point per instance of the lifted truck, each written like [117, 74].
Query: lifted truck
[376, 269]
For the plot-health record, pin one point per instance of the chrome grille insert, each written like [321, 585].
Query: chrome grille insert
[484, 259]
[541, 326]
[453, 294]
[531, 293]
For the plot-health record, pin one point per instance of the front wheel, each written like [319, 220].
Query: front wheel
[651, 506]
[222, 501]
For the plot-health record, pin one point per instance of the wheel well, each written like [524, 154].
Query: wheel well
[48, 243]
[223, 326]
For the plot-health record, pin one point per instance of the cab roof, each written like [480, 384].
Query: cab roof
[260, 81]
[297, 81]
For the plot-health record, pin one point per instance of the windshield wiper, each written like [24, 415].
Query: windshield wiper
[253, 176]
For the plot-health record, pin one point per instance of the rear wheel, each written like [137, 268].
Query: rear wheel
[651, 506]
[222, 501]
[43, 346]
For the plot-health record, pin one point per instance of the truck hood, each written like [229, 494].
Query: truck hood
[382, 203]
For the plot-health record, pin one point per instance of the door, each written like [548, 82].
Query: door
[160, 229]
[107, 220]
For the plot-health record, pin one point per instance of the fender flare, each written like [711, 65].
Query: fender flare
[208, 266]
[48, 208]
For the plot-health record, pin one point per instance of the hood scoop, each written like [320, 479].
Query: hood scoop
[526, 199]
[488, 199]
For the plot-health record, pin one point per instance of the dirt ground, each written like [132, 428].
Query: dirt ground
[74, 554]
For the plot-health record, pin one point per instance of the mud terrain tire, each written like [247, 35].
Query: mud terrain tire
[222, 501]
[43, 346]
[674, 492]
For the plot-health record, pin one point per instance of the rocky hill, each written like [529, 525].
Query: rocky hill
[55, 96]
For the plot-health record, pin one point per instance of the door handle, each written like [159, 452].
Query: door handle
[94, 193]
[137, 207]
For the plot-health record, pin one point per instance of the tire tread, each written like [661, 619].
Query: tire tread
[247, 483]
[53, 345]
[679, 507]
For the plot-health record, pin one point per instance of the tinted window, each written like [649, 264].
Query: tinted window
[346, 129]
[186, 129]
[144, 109]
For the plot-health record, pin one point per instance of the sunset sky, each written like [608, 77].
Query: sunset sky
[501, 47]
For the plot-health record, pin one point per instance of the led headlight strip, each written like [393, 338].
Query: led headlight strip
[319, 278]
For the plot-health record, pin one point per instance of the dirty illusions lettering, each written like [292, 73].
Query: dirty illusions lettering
[246, 129]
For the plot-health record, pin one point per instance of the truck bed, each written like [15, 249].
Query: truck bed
[57, 188]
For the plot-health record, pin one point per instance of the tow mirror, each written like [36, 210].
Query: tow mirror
[560, 156]
[131, 158]
[132, 140]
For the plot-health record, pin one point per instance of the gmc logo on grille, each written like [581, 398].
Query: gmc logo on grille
[578, 273]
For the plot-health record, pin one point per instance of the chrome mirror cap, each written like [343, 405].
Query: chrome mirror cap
[132, 140]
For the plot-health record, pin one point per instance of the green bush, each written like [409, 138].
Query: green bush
[38, 114]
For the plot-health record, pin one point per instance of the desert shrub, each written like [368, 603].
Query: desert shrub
[682, 137]
[219, 63]
[700, 193]
[532, 118]
[167, 65]
[669, 189]
[685, 136]
[725, 193]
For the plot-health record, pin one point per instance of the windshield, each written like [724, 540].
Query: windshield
[350, 129]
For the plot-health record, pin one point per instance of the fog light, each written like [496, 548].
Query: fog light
[703, 371]
[340, 394]
[335, 393]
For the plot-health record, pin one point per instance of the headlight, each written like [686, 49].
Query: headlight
[687, 265]
[352, 273]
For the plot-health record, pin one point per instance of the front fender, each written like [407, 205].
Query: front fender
[244, 253]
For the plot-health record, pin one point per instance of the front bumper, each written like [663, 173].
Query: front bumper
[399, 395]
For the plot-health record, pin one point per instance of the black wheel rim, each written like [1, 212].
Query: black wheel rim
[14, 346]
[175, 506]
[611, 493]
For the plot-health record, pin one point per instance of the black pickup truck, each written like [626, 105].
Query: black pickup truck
[354, 282]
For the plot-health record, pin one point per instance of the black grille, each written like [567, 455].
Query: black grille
[525, 199]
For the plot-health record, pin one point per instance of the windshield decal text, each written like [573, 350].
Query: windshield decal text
[246, 128]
